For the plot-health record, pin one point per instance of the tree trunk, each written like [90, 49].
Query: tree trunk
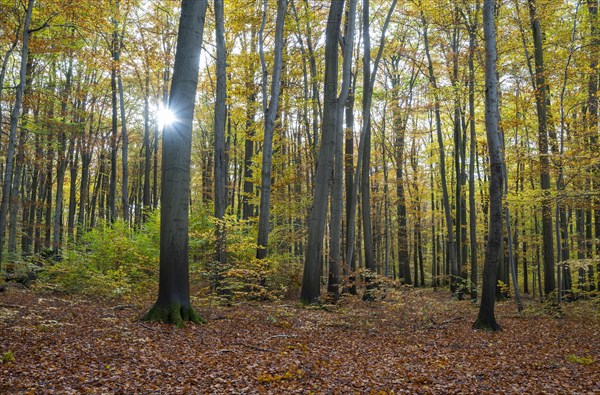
[473, 27]
[173, 303]
[338, 182]
[451, 252]
[147, 195]
[248, 209]
[486, 319]
[593, 126]
[61, 163]
[220, 168]
[399, 125]
[73, 165]
[541, 100]
[310, 292]
[270, 114]
[14, 123]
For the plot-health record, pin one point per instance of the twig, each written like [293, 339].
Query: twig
[444, 323]
[11, 306]
[275, 336]
[124, 306]
[150, 328]
[254, 347]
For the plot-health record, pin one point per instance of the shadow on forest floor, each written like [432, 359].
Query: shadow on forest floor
[416, 341]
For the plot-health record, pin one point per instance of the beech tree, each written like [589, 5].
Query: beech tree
[14, 123]
[316, 223]
[270, 112]
[486, 319]
[173, 303]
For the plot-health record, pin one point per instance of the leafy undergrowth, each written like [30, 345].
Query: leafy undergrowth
[415, 341]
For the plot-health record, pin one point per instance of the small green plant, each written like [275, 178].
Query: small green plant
[579, 360]
[8, 357]
[504, 289]
[551, 305]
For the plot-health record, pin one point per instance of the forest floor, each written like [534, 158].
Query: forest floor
[414, 341]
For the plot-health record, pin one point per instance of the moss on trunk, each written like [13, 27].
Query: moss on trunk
[487, 326]
[173, 314]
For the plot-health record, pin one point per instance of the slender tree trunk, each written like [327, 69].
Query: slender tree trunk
[220, 168]
[270, 114]
[473, 27]
[248, 209]
[592, 103]
[349, 173]
[61, 163]
[112, 194]
[73, 167]
[446, 199]
[124, 153]
[17, 194]
[399, 136]
[541, 100]
[365, 178]
[14, 123]
[147, 195]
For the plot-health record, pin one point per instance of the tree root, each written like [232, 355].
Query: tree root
[487, 326]
[173, 314]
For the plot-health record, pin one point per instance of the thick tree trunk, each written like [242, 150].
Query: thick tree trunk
[338, 182]
[486, 319]
[310, 292]
[173, 303]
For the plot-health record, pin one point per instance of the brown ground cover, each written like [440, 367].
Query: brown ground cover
[414, 341]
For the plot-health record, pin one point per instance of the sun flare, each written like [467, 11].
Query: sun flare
[165, 117]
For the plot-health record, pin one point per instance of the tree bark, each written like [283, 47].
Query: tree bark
[173, 303]
[14, 123]
[220, 167]
[338, 181]
[270, 114]
[438, 122]
[486, 319]
[310, 292]
[541, 100]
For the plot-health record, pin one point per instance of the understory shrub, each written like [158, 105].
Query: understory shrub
[109, 261]
[113, 260]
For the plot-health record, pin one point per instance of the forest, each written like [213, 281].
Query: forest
[345, 196]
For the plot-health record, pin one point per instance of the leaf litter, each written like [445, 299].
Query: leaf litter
[416, 341]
